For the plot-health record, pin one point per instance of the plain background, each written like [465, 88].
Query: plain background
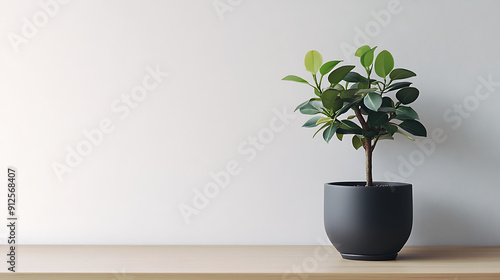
[224, 87]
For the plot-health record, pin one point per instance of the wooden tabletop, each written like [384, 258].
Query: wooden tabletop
[136, 262]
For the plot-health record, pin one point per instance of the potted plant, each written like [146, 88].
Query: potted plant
[364, 220]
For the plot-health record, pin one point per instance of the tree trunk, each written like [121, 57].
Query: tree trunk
[369, 153]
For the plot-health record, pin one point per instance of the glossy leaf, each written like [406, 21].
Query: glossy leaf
[373, 101]
[354, 77]
[338, 87]
[328, 66]
[301, 105]
[312, 100]
[323, 120]
[349, 127]
[406, 113]
[390, 128]
[356, 142]
[313, 61]
[387, 102]
[377, 119]
[295, 79]
[386, 109]
[349, 93]
[400, 73]
[407, 95]
[338, 74]
[316, 91]
[370, 134]
[328, 98]
[362, 50]
[414, 127]
[398, 86]
[329, 132]
[312, 122]
[321, 128]
[384, 63]
[367, 58]
[337, 105]
[309, 109]
[340, 136]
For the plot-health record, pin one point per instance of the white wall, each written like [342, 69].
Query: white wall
[224, 87]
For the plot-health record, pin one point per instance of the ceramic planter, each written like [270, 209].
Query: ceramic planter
[368, 223]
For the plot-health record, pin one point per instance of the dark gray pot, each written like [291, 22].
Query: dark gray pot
[368, 223]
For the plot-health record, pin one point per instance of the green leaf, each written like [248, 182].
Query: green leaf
[337, 105]
[377, 118]
[373, 101]
[398, 85]
[338, 74]
[384, 63]
[367, 90]
[362, 50]
[328, 98]
[356, 142]
[406, 113]
[347, 124]
[309, 109]
[348, 93]
[390, 128]
[414, 127]
[312, 122]
[407, 95]
[386, 109]
[400, 73]
[313, 61]
[338, 87]
[329, 132]
[354, 77]
[340, 136]
[306, 102]
[387, 102]
[321, 128]
[346, 108]
[370, 133]
[367, 58]
[349, 127]
[323, 120]
[351, 117]
[316, 91]
[301, 105]
[294, 79]
[328, 66]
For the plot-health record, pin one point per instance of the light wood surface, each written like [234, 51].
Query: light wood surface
[136, 262]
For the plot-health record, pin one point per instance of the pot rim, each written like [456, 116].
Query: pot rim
[361, 184]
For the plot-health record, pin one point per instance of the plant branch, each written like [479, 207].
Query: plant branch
[361, 119]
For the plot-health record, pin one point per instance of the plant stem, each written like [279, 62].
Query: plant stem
[369, 154]
[368, 148]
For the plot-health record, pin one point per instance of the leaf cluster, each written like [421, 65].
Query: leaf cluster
[380, 105]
